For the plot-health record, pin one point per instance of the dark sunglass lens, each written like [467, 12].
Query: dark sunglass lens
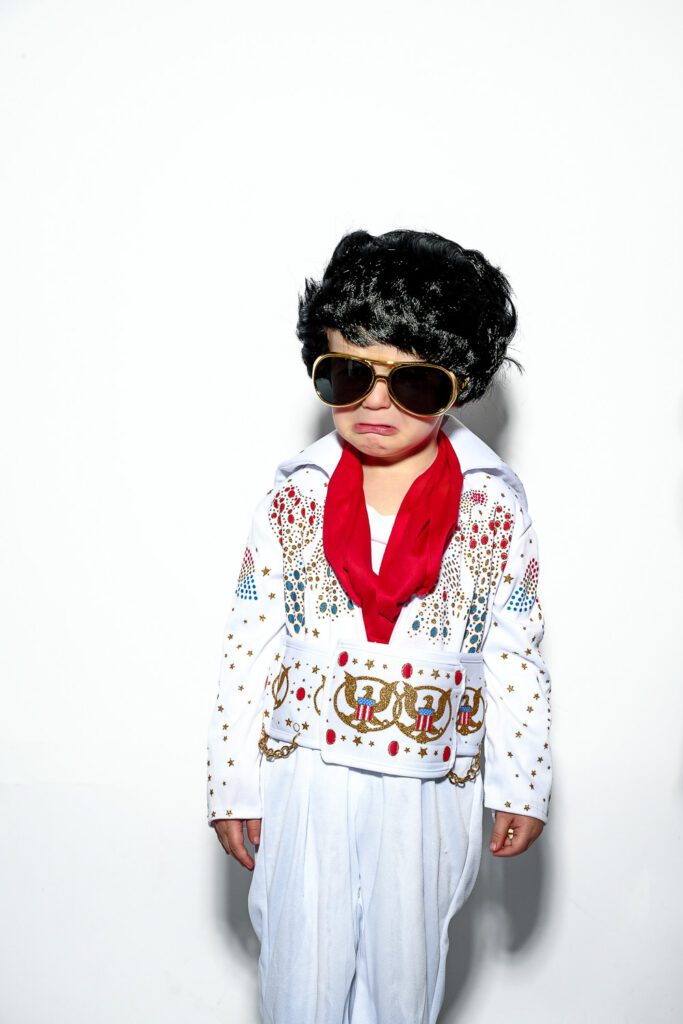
[424, 390]
[342, 381]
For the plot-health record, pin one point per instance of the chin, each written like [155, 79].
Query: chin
[376, 442]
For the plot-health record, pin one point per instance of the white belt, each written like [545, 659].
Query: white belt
[374, 706]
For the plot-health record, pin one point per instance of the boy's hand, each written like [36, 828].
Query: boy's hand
[526, 829]
[231, 836]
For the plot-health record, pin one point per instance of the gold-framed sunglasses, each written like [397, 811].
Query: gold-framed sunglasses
[421, 389]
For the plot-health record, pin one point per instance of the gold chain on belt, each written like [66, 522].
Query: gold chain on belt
[271, 752]
[471, 773]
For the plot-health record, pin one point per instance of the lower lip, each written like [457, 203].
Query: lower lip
[374, 428]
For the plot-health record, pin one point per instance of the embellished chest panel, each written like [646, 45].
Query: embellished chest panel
[311, 588]
[453, 616]
[455, 611]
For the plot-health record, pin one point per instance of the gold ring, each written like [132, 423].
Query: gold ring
[511, 833]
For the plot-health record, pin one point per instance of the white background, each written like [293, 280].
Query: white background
[170, 174]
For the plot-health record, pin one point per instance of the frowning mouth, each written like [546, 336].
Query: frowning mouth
[375, 428]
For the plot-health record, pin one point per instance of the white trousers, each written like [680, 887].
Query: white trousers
[355, 881]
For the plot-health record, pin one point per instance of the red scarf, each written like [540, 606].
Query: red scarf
[424, 525]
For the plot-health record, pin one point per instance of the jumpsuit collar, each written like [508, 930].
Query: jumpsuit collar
[325, 453]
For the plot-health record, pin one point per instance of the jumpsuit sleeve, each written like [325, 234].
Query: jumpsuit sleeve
[251, 636]
[517, 715]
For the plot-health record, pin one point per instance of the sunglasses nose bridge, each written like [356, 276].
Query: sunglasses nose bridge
[384, 377]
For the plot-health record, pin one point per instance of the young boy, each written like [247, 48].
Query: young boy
[384, 635]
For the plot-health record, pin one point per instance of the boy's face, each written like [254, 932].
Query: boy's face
[376, 426]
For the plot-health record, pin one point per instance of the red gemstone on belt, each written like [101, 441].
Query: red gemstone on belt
[446, 753]
[458, 677]
[330, 735]
[407, 670]
[343, 658]
[393, 748]
[300, 693]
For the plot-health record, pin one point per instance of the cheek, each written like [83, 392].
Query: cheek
[342, 420]
[417, 430]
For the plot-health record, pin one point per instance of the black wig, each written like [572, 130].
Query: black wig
[417, 291]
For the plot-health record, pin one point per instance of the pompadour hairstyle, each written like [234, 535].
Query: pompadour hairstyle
[419, 292]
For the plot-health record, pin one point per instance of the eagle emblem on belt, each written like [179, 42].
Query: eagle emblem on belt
[369, 704]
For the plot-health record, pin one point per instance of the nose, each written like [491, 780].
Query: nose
[379, 396]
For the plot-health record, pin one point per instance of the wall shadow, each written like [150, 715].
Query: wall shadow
[510, 890]
[231, 886]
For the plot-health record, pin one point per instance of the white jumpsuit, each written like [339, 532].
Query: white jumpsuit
[355, 880]
[359, 872]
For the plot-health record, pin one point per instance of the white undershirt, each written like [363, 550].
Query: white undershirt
[380, 530]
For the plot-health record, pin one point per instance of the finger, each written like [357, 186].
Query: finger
[523, 833]
[512, 846]
[221, 830]
[499, 830]
[229, 833]
[217, 827]
[254, 831]
[237, 847]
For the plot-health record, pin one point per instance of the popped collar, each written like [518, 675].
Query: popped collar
[473, 454]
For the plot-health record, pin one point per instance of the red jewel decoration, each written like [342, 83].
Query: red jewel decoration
[446, 753]
[343, 658]
[458, 677]
[300, 693]
[330, 735]
[407, 670]
[393, 748]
